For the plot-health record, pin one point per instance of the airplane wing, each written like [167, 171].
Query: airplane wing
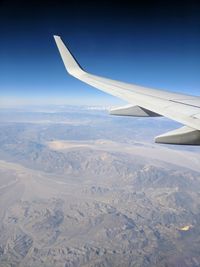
[144, 102]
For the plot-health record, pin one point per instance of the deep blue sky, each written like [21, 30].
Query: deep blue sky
[153, 43]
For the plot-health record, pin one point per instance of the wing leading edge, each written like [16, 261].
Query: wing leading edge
[150, 102]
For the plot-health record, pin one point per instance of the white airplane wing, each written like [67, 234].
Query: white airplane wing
[144, 102]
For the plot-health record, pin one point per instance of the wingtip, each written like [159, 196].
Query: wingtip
[71, 65]
[56, 36]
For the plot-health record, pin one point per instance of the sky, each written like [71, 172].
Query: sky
[150, 43]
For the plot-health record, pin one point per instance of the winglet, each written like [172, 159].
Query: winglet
[69, 61]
